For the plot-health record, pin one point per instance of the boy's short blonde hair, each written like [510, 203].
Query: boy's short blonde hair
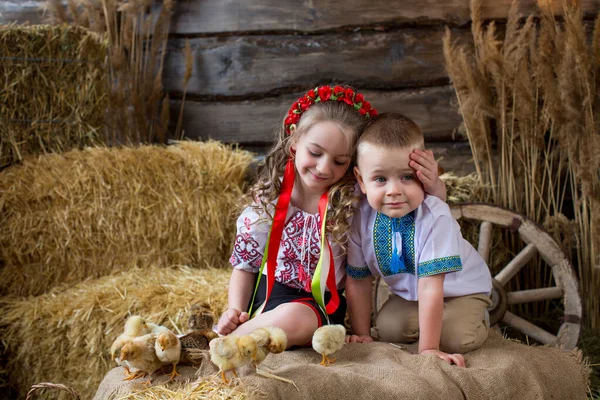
[391, 130]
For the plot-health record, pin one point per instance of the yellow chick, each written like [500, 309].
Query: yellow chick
[278, 339]
[231, 352]
[168, 349]
[134, 326]
[327, 340]
[155, 328]
[140, 354]
[269, 339]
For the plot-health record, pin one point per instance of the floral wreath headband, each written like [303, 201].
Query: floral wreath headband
[327, 93]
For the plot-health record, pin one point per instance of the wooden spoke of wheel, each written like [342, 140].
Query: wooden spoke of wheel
[485, 240]
[529, 329]
[529, 296]
[515, 265]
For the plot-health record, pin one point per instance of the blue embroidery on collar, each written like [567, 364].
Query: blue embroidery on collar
[383, 229]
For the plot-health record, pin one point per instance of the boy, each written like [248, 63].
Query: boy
[440, 285]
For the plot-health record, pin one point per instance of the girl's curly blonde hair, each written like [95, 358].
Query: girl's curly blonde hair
[342, 195]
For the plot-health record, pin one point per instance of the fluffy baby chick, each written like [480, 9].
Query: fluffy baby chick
[327, 340]
[231, 352]
[155, 328]
[277, 339]
[194, 345]
[168, 349]
[134, 326]
[269, 339]
[201, 318]
[141, 354]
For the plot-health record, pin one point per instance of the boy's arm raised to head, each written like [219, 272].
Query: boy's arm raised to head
[423, 162]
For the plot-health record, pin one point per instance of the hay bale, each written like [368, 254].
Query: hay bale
[463, 189]
[55, 88]
[64, 336]
[98, 211]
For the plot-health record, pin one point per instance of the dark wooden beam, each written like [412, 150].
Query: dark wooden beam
[242, 66]
[21, 11]
[254, 122]
[230, 16]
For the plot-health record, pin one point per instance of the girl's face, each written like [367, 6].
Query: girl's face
[322, 156]
[391, 185]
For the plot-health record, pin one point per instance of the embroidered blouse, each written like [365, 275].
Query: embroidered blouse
[428, 241]
[299, 251]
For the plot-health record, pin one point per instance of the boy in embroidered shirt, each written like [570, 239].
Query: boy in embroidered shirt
[440, 285]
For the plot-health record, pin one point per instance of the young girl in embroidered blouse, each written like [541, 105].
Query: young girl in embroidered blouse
[292, 236]
[440, 285]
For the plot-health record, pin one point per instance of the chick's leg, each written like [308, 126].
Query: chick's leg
[234, 373]
[324, 360]
[135, 375]
[224, 378]
[174, 373]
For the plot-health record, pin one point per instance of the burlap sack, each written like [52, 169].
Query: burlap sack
[501, 369]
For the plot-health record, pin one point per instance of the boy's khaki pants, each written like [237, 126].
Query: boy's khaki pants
[464, 328]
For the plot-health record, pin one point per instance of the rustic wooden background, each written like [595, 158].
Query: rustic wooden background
[252, 58]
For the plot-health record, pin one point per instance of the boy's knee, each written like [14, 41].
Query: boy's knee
[397, 330]
[456, 339]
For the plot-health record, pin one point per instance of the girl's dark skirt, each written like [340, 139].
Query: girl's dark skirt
[281, 294]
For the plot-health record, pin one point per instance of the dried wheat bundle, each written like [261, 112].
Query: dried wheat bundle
[94, 212]
[53, 90]
[137, 33]
[64, 335]
[531, 110]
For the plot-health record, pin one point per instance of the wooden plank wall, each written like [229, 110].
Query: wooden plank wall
[252, 58]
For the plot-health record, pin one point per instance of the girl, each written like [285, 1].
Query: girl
[285, 237]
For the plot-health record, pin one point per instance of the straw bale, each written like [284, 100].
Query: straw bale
[462, 189]
[64, 336]
[53, 89]
[90, 213]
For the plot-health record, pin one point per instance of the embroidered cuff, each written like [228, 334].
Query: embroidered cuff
[357, 273]
[440, 266]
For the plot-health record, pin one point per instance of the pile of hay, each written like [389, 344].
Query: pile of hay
[53, 90]
[64, 336]
[98, 211]
[463, 189]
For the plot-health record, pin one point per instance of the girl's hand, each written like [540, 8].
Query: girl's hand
[456, 359]
[358, 339]
[427, 169]
[230, 320]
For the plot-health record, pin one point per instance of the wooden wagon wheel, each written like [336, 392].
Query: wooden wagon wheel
[538, 241]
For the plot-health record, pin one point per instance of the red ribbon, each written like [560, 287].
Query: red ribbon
[278, 223]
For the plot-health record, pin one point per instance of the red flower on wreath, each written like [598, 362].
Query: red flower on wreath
[326, 93]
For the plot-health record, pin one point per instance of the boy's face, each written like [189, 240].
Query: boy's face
[391, 185]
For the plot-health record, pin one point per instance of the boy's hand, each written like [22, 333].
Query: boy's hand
[230, 320]
[358, 339]
[456, 359]
[427, 169]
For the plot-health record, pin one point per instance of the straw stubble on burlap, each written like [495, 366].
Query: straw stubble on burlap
[501, 369]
